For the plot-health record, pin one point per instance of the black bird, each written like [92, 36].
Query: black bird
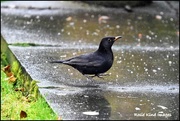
[94, 63]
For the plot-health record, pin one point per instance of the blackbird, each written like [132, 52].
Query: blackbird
[94, 63]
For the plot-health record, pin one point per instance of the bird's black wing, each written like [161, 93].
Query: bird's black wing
[85, 60]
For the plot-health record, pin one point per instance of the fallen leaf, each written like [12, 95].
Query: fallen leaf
[6, 68]
[59, 118]
[177, 33]
[69, 18]
[26, 99]
[128, 8]
[16, 89]
[158, 17]
[23, 114]
[103, 19]
[19, 89]
[9, 74]
[12, 78]
[139, 35]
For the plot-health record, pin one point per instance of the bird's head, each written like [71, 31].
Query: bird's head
[107, 42]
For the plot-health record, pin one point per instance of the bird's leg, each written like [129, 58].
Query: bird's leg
[99, 76]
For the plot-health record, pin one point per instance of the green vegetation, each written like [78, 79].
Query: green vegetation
[20, 97]
[24, 44]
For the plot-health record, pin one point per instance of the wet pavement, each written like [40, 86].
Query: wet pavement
[144, 78]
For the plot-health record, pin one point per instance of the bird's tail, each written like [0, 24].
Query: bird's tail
[56, 61]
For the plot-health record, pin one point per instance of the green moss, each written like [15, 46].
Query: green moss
[22, 95]
[5, 87]
[15, 67]
[13, 102]
[36, 92]
[23, 44]
[19, 76]
[4, 59]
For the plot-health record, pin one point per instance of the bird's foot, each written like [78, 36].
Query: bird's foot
[101, 75]
[90, 77]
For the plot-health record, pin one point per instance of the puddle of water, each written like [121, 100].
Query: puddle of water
[105, 105]
[129, 67]
[128, 93]
[148, 54]
[83, 27]
[145, 89]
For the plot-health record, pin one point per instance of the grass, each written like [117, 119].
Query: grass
[14, 101]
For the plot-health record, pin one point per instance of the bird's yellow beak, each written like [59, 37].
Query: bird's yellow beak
[117, 37]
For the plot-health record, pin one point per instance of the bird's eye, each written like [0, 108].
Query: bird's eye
[109, 40]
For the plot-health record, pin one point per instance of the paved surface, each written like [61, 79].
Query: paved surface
[144, 79]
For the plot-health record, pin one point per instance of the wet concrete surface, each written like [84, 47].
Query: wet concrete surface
[143, 81]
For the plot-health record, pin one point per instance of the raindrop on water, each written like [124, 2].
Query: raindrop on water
[37, 17]
[68, 33]
[170, 62]
[86, 96]
[117, 26]
[163, 107]
[27, 16]
[51, 18]
[152, 103]
[119, 61]
[136, 108]
[71, 23]
[95, 33]
[74, 53]
[87, 32]
[117, 76]
[63, 56]
[154, 70]
[55, 67]
[15, 21]
[171, 19]
[92, 16]
[84, 21]
[91, 113]
[159, 68]
[80, 27]
[139, 17]
[148, 37]
[28, 22]
[24, 27]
